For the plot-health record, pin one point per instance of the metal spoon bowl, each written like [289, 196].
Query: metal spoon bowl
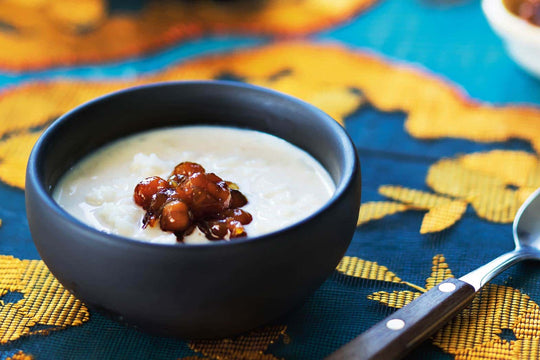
[526, 227]
[395, 336]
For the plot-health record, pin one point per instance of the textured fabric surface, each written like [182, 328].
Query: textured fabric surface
[448, 133]
[41, 33]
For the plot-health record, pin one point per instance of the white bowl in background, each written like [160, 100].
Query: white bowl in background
[521, 38]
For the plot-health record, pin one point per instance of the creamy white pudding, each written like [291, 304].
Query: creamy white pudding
[283, 184]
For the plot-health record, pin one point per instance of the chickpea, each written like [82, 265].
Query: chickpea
[146, 189]
[187, 168]
[191, 198]
[175, 216]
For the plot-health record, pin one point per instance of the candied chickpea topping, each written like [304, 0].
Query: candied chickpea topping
[192, 198]
[530, 10]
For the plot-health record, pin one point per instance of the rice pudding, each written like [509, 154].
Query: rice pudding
[282, 183]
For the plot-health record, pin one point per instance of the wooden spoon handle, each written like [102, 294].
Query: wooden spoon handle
[395, 336]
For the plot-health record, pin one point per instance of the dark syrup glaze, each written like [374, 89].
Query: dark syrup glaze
[192, 198]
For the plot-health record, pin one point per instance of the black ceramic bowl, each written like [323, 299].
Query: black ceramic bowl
[192, 291]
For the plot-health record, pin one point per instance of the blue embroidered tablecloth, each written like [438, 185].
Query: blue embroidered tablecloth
[412, 82]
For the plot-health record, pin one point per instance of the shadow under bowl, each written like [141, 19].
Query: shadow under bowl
[192, 290]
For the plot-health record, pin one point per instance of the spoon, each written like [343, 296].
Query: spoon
[395, 336]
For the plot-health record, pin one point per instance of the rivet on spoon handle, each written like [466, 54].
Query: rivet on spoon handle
[395, 336]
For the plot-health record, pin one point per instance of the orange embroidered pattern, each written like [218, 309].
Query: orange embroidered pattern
[475, 332]
[20, 355]
[334, 78]
[41, 33]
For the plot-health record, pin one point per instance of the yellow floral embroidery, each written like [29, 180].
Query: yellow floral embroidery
[475, 333]
[414, 198]
[375, 210]
[45, 304]
[250, 346]
[339, 81]
[363, 269]
[442, 217]
[20, 355]
[41, 33]
[484, 180]
[495, 183]
[370, 270]
[332, 77]
[14, 152]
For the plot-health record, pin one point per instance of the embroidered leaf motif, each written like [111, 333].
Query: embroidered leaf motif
[363, 269]
[395, 299]
[376, 210]
[442, 217]
[443, 211]
[416, 198]
[370, 270]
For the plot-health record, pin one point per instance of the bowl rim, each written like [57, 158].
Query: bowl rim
[510, 25]
[347, 177]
